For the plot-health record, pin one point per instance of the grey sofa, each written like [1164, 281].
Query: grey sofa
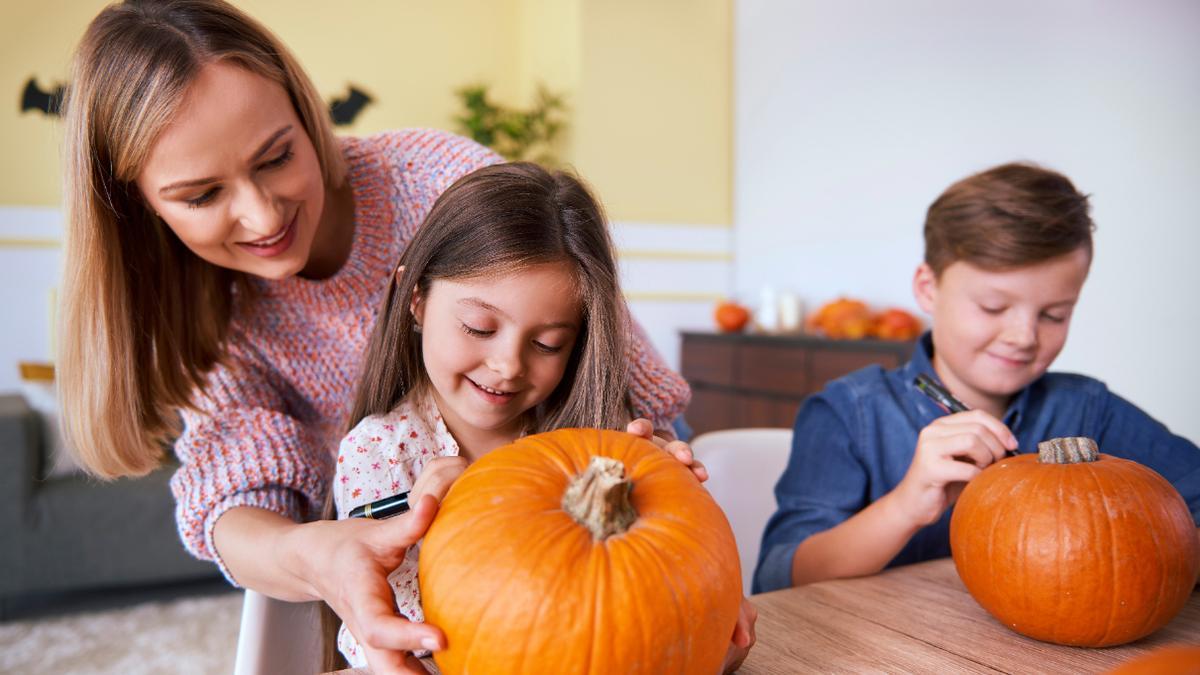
[76, 532]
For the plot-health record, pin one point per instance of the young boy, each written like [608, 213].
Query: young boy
[875, 465]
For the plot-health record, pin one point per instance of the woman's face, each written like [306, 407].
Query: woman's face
[235, 175]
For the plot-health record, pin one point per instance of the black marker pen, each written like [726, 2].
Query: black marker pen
[382, 508]
[940, 396]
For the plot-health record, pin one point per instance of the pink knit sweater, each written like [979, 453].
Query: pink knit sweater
[271, 416]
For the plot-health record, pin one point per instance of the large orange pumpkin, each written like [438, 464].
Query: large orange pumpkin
[1075, 547]
[580, 551]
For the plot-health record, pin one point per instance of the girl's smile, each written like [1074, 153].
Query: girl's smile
[496, 347]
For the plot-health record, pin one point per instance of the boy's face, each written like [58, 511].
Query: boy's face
[994, 332]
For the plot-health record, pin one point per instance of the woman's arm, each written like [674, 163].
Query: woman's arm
[656, 392]
[345, 563]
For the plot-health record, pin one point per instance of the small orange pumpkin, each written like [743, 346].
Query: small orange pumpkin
[895, 324]
[545, 558]
[1168, 660]
[730, 316]
[842, 319]
[1075, 547]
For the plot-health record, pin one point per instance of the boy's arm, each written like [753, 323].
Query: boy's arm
[1127, 431]
[826, 484]
[861, 545]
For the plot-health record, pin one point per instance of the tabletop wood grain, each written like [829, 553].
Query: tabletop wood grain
[915, 619]
[918, 618]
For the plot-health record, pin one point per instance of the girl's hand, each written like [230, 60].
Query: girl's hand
[437, 477]
[950, 451]
[677, 449]
[347, 563]
[743, 637]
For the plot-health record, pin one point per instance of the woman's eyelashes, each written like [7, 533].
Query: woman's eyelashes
[483, 333]
[276, 162]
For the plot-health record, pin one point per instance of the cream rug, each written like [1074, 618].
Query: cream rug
[188, 636]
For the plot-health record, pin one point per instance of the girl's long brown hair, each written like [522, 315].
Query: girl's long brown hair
[499, 220]
[143, 319]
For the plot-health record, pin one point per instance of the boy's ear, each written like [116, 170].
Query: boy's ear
[925, 288]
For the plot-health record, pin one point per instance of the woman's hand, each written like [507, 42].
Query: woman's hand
[743, 637]
[677, 449]
[950, 451]
[347, 563]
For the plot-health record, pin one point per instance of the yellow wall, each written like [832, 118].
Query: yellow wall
[648, 83]
[654, 122]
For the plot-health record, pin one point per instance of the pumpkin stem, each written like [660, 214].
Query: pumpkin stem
[598, 498]
[1074, 450]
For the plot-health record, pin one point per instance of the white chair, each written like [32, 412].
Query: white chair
[743, 467]
[278, 637]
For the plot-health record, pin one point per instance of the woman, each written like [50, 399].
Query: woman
[224, 256]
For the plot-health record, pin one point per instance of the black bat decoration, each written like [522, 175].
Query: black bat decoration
[344, 110]
[33, 98]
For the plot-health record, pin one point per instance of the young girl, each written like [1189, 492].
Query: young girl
[505, 318]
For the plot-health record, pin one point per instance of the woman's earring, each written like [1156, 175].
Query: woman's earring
[416, 327]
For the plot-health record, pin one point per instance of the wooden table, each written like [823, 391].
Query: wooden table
[915, 619]
[918, 618]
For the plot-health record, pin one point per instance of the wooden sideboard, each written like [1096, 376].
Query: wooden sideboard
[751, 380]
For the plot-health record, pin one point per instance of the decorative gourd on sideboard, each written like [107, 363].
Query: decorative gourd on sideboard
[1075, 547]
[580, 551]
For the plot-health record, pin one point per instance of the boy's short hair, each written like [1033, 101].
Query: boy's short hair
[1009, 216]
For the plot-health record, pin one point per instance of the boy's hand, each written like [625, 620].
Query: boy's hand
[437, 477]
[950, 451]
[743, 637]
[677, 449]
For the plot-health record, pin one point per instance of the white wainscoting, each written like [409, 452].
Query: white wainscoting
[30, 267]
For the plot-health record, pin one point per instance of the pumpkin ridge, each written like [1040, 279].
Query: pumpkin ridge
[546, 601]
[643, 551]
[995, 522]
[1022, 538]
[1149, 619]
[534, 553]
[1112, 554]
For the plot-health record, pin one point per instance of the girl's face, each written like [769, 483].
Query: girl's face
[235, 175]
[495, 347]
[994, 332]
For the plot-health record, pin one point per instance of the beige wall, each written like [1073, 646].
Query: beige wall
[655, 108]
[648, 82]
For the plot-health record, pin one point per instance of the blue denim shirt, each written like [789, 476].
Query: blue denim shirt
[854, 441]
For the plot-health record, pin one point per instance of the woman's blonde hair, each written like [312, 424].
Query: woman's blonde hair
[143, 318]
